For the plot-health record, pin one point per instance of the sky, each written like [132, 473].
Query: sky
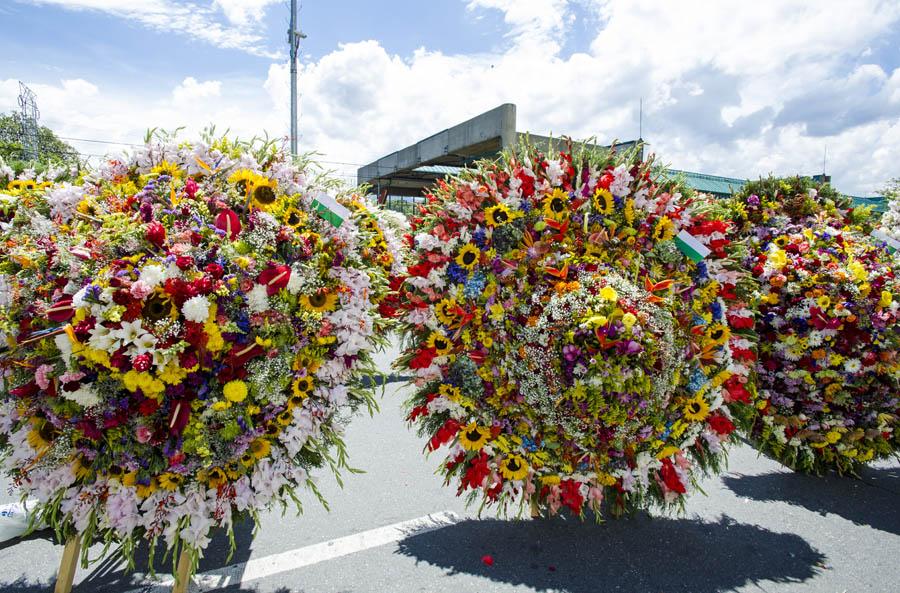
[730, 87]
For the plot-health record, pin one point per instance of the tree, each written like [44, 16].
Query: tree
[51, 150]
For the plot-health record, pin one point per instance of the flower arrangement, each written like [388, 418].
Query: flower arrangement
[576, 328]
[890, 220]
[185, 337]
[828, 373]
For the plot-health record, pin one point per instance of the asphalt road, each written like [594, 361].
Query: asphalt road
[759, 528]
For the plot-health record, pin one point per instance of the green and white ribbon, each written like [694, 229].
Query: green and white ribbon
[329, 209]
[691, 247]
[892, 244]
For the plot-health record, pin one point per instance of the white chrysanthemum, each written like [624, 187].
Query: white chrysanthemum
[153, 275]
[84, 395]
[852, 365]
[258, 299]
[196, 309]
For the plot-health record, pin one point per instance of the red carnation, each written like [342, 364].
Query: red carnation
[156, 233]
[215, 270]
[184, 262]
[148, 406]
[191, 187]
[274, 278]
[227, 220]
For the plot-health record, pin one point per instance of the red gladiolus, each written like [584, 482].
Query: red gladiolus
[62, 310]
[156, 233]
[477, 472]
[670, 477]
[570, 495]
[444, 434]
[423, 359]
[720, 424]
[274, 278]
[27, 390]
[227, 220]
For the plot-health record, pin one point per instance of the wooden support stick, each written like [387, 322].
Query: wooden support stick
[67, 566]
[183, 576]
[535, 511]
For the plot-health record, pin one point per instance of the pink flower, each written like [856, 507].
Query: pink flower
[71, 376]
[143, 434]
[140, 290]
[40, 376]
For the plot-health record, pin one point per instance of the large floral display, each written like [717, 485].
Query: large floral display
[828, 373]
[575, 331]
[185, 329]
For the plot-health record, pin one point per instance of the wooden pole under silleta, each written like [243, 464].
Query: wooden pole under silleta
[67, 564]
[183, 575]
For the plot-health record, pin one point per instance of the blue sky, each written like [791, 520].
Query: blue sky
[730, 88]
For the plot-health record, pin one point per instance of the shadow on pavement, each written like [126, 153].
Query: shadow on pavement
[111, 574]
[873, 500]
[639, 554]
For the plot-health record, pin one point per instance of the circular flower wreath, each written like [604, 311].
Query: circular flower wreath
[184, 338]
[564, 347]
[828, 372]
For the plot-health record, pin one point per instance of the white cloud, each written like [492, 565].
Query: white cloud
[731, 88]
[199, 21]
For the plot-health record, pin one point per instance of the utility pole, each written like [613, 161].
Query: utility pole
[294, 37]
[28, 122]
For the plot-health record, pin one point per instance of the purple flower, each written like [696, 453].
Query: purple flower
[571, 352]
[753, 200]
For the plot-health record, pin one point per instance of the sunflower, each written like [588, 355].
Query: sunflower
[474, 437]
[170, 481]
[293, 217]
[285, 417]
[445, 311]
[664, 230]
[233, 469]
[167, 168]
[81, 467]
[263, 193]
[468, 256]
[247, 459]
[244, 179]
[158, 307]
[320, 302]
[216, 477]
[696, 409]
[718, 333]
[440, 343]
[781, 241]
[42, 435]
[556, 205]
[451, 392]
[514, 467]
[603, 201]
[260, 448]
[497, 215]
[301, 388]
[145, 490]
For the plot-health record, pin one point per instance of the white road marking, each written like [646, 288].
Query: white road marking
[273, 564]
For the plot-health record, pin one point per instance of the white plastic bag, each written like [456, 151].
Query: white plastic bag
[14, 519]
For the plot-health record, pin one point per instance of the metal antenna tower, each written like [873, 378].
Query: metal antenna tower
[294, 37]
[28, 122]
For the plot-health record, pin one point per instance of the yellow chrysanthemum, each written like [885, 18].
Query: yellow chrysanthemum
[474, 437]
[468, 256]
[235, 391]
